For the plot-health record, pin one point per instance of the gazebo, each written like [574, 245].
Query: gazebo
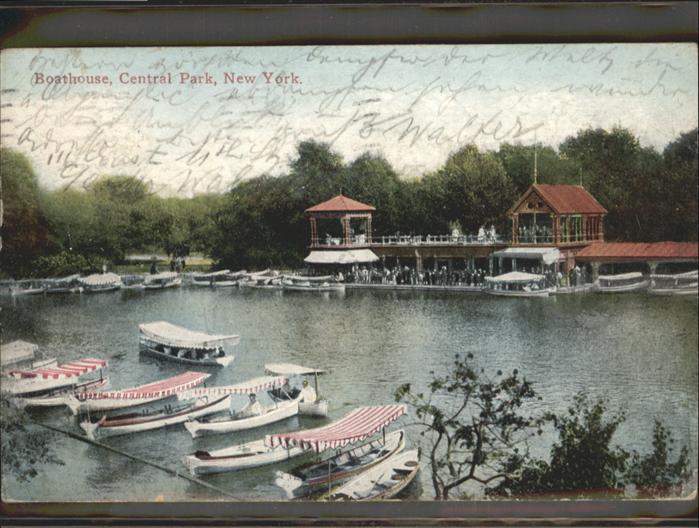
[349, 247]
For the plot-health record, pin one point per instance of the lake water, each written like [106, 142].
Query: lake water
[637, 351]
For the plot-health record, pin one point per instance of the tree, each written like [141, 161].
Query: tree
[23, 446]
[473, 424]
[583, 462]
[654, 475]
[24, 232]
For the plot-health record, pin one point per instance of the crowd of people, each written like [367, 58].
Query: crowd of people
[410, 276]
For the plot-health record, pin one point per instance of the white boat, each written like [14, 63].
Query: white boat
[621, 283]
[243, 456]
[356, 426]
[231, 422]
[133, 282]
[100, 282]
[228, 424]
[148, 420]
[313, 284]
[218, 279]
[173, 343]
[70, 284]
[100, 401]
[159, 281]
[382, 481]
[517, 284]
[40, 381]
[674, 284]
[313, 406]
[56, 397]
[581, 288]
[27, 287]
[266, 279]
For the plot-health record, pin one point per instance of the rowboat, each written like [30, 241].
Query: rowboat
[243, 456]
[167, 341]
[55, 398]
[278, 448]
[356, 426]
[517, 284]
[674, 284]
[217, 279]
[148, 420]
[100, 282]
[381, 482]
[242, 420]
[310, 404]
[621, 283]
[313, 284]
[40, 381]
[70, 284]
[159, 281]
[100, 401]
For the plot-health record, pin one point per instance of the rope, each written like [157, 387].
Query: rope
[167, 470]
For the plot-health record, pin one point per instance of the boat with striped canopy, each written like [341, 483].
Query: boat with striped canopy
[100, 282]
[234, 421]
[357, 426]
[170, 342]
[96, 401]
[40, 381]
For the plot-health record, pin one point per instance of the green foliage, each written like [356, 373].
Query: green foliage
[24, 232]
[583, 462]
[22, 445]
[65, 263]
[654, 475]
[472, 422]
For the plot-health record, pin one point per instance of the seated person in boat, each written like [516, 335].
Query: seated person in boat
[308, 393]
[252, 408]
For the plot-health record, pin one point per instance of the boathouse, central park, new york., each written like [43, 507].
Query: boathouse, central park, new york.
[555, 228]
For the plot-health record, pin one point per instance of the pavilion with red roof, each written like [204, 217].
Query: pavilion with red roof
[352, 244]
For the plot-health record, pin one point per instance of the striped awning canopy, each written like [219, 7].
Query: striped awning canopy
[251, 386]
[157, 389]
[68, 370]
[356, 426]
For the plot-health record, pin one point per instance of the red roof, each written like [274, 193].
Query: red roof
[565, 199]
[340, 203]
[639, 251]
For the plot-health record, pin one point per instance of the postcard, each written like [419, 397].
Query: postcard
[349, 273]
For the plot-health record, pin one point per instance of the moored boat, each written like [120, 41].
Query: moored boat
[517, 284]
[217, 279]
[99, 401]
[56, 397]
[674, 284]
[70, 284]
[382, 481]
[170, 342]
[27, 287]
[313, 284]
[266, 279]
[159, 281]
[621, 283]
[251, 416]
[148, 420]
[310, 403]
[356, 426]
[100, 282]
[40, 381]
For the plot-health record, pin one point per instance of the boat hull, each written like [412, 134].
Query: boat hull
[637, 286]
[513, 293]
[98, 430]
[381, 482]
[244, 456]
[281, 412]
[217, 362]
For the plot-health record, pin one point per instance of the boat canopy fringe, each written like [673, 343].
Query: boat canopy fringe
[175, 336]
[156, 389]
[251, 386]
[100, 279]
[356, 426]
[68, 370]
[516, 276]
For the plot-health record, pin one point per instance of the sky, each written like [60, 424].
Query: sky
[207, 118]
